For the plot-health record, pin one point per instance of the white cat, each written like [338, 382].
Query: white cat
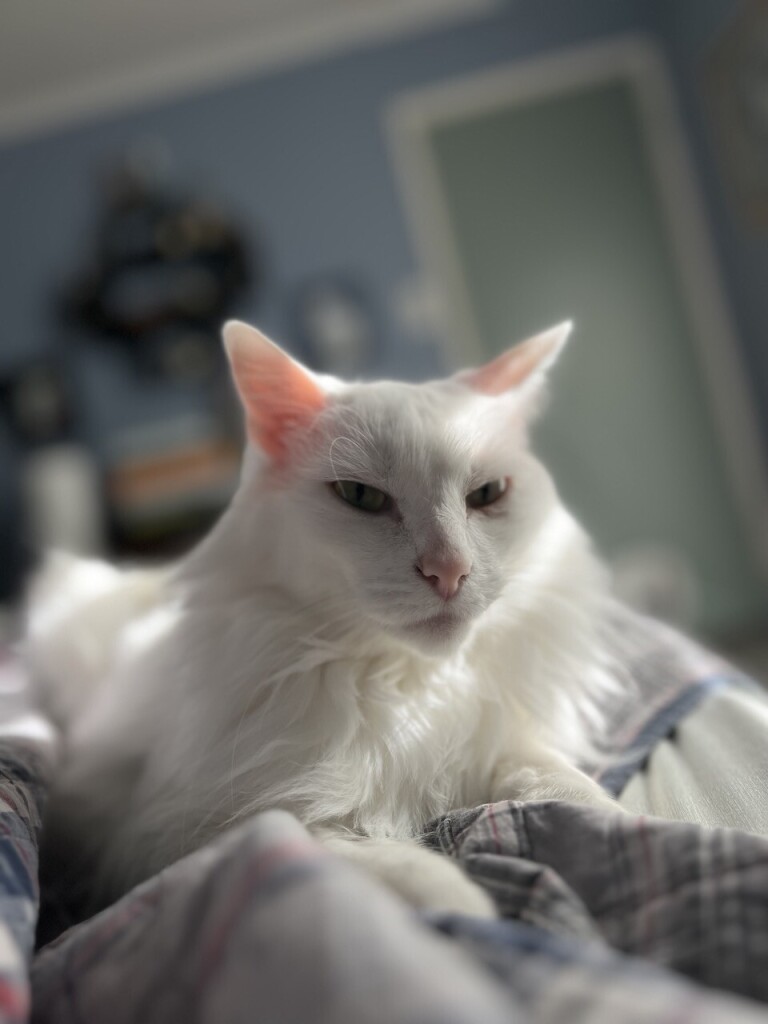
[395, 617]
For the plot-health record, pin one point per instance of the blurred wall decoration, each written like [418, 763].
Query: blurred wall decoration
[59, 486]
[289, 147]
[165, 271]
[161, 269]
[335, 326]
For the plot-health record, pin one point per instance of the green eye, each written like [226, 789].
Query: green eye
[487, 494]
[362, 496]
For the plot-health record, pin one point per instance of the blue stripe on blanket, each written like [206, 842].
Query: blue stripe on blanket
[659, 727]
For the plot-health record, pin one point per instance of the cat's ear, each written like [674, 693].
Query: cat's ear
[280, 396]
[521, 368]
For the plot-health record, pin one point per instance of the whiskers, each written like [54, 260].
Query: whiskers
[352, 454]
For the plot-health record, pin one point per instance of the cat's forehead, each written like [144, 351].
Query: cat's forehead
[392, 429]
[435, 402]
[389, 410]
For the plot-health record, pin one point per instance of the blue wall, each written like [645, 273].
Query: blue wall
[300, 155]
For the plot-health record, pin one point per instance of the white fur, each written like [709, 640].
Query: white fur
[279, 665]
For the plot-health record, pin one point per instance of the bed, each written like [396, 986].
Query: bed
[603, 915]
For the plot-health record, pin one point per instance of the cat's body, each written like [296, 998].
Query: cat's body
[365, 668]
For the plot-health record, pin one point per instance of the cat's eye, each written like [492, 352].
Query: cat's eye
[487, 494]
[362, 496]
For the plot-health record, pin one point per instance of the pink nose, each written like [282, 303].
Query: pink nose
[445, 575]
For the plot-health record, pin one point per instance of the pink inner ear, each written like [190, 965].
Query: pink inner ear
[279, 396]
[504, 373]
[513, 367]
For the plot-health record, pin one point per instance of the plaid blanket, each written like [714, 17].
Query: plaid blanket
[264, 925]
[603, 916]
[27, 748]
[667, 676]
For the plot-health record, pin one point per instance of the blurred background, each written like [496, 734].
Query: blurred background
[399, 188]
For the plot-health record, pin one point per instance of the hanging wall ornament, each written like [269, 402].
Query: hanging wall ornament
[335, 325]
[166, 271]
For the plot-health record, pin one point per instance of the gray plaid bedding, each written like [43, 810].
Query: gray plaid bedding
[604, 917]
[266, 926]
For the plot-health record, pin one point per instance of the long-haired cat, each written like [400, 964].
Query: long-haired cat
[395, 617]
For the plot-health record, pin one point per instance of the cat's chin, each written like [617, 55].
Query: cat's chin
[439, 634]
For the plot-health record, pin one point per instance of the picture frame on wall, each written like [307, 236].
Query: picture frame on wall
[559, 188]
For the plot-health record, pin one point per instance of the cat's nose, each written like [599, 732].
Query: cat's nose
[445, 575]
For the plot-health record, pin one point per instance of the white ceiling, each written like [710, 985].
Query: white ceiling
[64, 59]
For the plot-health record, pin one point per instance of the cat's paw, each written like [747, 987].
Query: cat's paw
[425, 879]
[532, 784]
[455, 894]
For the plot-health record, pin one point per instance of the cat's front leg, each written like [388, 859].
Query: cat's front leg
[541, 774]
[427, 880]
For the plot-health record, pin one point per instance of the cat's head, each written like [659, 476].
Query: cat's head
[408, 506]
